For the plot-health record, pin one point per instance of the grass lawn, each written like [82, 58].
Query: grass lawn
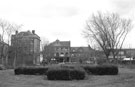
[125, 78]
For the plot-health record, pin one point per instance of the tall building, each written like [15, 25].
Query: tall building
[25, 48]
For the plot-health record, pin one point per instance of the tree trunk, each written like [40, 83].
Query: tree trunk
[6, 60]
[107, 58]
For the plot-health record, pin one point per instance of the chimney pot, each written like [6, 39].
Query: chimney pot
[33, 31]
[16, 32]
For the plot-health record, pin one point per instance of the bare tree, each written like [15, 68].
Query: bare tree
[7, 29]
[44, 45]
[11, 28]
[108, 30]
[3, 25]
[44, 42]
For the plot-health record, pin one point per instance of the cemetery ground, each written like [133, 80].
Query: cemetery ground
[125, 78]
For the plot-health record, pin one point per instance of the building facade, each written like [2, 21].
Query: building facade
[25, 48]
[3, 52]
[61, 51]
[123, 53]
[83, 54]
[58, 51]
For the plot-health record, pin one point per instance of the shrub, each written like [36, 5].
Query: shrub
[65, 73]
[90, 69]
[61, 74]
[31, 70]
[101, 69]
[77, 74]
[18, 70]
[2, 67]
[107, 70]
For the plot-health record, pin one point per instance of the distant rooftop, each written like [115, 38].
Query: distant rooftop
[85, 49]
[60, 43]
[26, 33]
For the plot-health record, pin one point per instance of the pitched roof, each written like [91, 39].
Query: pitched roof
[65, 43]
[60, 43]
[84, 49]
[27, 33]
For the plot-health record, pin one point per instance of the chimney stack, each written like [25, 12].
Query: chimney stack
[16, 32]
[33, 31]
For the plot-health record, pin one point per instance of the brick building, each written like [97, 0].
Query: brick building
[61, 51]
[81, 53]
[123, 53]
[25, 49]
[58, 50]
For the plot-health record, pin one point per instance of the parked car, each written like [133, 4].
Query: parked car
[127, 59]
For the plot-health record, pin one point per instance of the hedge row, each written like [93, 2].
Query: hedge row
[66, 73]
[101, 69]
[31, 70]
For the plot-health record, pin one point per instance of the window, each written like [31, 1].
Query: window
[57, 54]
[73, 50]
[72, 55]
[66, 54]
[80, 50]
[62, 54]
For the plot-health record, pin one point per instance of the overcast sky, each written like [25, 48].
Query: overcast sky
[63, 19]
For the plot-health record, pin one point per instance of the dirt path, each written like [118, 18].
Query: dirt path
[126, 78]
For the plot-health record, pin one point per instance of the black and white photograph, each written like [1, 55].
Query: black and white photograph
[67, 43]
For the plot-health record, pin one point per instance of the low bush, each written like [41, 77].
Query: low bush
[31, 70]
[2, 67]
[18, 70]
[90, 69]
[65, 73]
[77, 74]
[107, 70]
[59, 74]
[101, 69]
